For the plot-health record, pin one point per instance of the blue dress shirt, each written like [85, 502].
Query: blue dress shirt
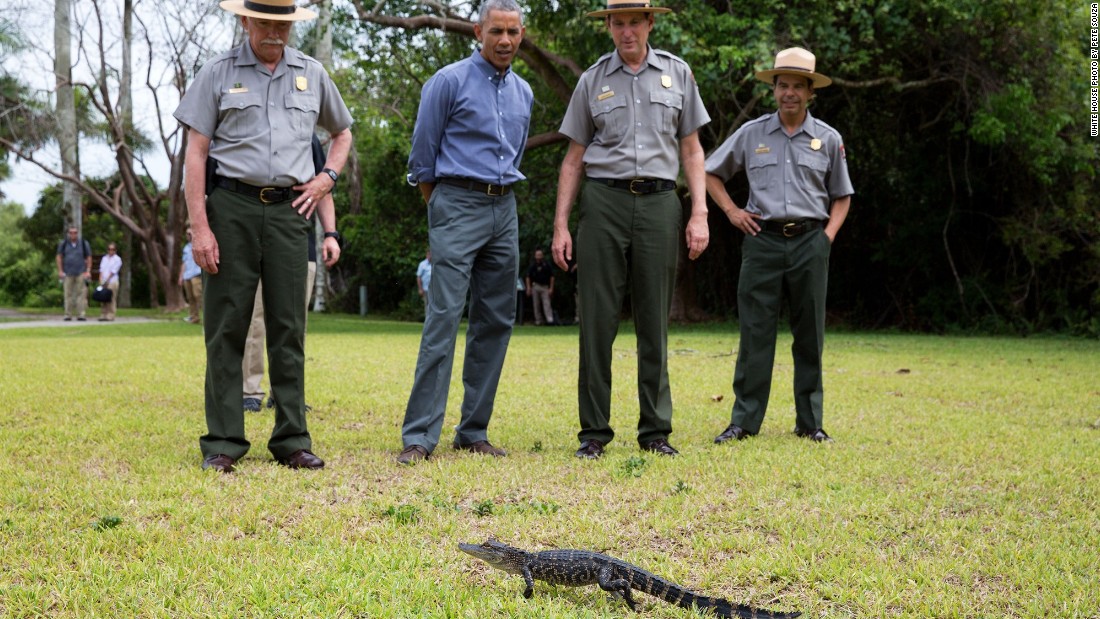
[472, 124]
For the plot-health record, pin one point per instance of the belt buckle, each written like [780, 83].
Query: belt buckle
[791, 229]
[631, 186]
[265, 200]
[489, 190]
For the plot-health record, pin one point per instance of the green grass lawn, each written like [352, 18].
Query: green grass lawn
[964, 482]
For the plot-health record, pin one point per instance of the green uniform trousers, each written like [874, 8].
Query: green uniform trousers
[257, 242]
[775, 268]
[625, 241]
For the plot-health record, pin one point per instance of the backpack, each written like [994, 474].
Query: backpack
[64, 246]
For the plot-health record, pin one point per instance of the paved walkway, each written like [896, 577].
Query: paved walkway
[11, 319]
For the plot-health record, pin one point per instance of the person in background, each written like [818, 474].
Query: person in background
[424, 279]
[191, 281]
[540, 287]
[74, 267]
[109, 268]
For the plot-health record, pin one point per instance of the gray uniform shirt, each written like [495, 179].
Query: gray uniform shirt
[260, 123]
[790, 177]
[631, 124]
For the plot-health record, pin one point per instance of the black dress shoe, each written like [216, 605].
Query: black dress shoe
[733, 432]
[660, 446]
[590, 450]
[817, 436]
[219, 462]
[302, 459]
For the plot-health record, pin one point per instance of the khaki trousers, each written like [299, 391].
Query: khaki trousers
[192, 289]
[107, 310]
[76, 296]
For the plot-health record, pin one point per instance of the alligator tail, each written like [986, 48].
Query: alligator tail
[685, 598]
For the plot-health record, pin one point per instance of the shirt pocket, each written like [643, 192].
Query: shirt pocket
[667, 106]
[302, 111]
[761, 170]
[813, 168]
[611, 117]
[240, 115]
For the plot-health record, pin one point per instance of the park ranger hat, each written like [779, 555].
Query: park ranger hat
[278, 10]
[628, 6]
[795, 61]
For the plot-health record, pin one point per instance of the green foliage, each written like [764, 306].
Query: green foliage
[26, 279]
[106, 523]
[967, 144]
[483, 508]
[403, 514]
[633, 466]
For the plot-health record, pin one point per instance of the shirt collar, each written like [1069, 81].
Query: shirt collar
[291, 57]
[487, 69]
[651, 59]
[809, 127]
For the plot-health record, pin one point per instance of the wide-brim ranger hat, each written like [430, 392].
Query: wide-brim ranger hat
[628, 6]
[795, 61]
[277, 10]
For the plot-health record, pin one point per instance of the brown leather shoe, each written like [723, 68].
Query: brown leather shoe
[733, 432]
[590, 450]
[302, 459]
[660, 446]
[412, 454]
[817, 436]
[220, 463]
[482, 447]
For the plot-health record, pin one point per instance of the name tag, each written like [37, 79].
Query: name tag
[763, 150]
[237, 91]
[606, 95]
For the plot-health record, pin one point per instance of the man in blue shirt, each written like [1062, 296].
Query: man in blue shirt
[466, 149]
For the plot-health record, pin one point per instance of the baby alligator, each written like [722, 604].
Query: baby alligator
[575, 568]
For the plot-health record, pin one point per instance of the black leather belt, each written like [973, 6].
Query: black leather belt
[790, 228]
[638, 186]
[267, 195]
[488, 189]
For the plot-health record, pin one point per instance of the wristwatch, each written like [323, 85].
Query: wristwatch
[333, 174]
[335, 235]
[410, 180]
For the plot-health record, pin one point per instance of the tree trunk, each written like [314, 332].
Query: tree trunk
[66, 109]
[126, 111]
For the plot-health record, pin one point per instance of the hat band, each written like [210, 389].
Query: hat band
[267, 8]
[629, 5]
[793, 68]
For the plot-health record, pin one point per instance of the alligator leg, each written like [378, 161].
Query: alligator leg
[529, 581]
[619, 586]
